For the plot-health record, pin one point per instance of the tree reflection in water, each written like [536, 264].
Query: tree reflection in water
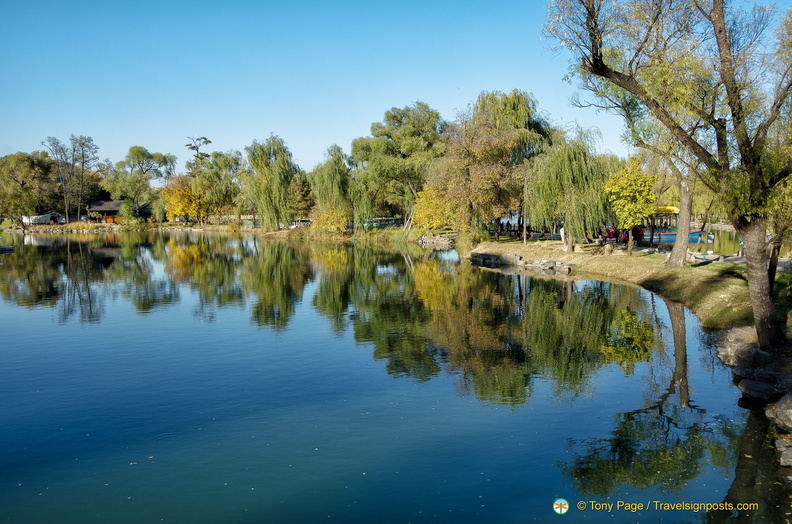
[496, 333]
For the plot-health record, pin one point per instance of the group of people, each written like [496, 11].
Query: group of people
[623, 235]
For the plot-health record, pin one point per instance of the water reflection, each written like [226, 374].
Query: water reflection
[500, 337]
[419, 313]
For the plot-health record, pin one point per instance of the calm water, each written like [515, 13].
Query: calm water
[210, 379]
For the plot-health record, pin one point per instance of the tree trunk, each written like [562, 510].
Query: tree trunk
[768, 329]
[680, 249]
[567, 240]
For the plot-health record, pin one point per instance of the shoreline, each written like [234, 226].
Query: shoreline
[716, 292]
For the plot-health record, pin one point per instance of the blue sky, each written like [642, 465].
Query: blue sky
[314, 73]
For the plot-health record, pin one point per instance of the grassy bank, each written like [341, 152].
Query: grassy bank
[717, 292]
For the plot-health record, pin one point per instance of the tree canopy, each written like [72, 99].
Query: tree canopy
[400, 149]
[711, 75]
[267, 181]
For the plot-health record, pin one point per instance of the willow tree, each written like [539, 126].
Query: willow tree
[514, 116]
[566, 184]
[267, 182]
[712, 76]
[480, 174]
[214, 183]
[330, 182]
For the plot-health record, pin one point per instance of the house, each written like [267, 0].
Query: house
[108, 209]
[46, 218]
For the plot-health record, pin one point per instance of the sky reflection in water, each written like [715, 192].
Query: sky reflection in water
[200, 378]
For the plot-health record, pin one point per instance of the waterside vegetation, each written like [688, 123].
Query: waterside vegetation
[705, 90]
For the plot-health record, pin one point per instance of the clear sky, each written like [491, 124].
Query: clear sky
[316, 73]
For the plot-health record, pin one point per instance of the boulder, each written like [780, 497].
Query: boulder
[511, 259]
[783, 444]
[737, 347]
[758, 390]
[781, 412]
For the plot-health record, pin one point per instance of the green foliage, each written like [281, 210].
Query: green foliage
[301, 199]
[267, 183]
[631, 195]
[127, 209]
[566, 183]
[399, 151]
[478, 177]
[131, 177]
[214, 183]
[199, 157]
[513, 113]
[330, 183]
[27, 184]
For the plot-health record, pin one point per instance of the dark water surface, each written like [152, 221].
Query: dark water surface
[212, 379]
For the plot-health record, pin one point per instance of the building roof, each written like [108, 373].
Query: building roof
[105, 205]
[112, 206]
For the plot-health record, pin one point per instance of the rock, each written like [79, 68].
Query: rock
[511, 259]
[737, 347]
[547, 263]
[781, 412]
[486, 260]
[436, 242]
[783, 444]
[758, 390]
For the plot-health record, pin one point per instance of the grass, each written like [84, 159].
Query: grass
[717, 292]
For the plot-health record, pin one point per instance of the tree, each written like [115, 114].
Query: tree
[330, 182]
[566, 184]
[26, 184]
[85, 158]
[399, 151]
[195, 145]
[684, 173]
[781, 224]
[301, 199]
[214, 183]
[694, 65]
[267, 183]
[131, 177]
[75, 163]
[179, 198]
[480, 171]
[632, 197]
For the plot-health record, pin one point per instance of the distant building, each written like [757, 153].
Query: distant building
[108, 209]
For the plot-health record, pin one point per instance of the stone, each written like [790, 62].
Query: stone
[745, 355]
[781, 412]
[786, 457]
[758, 390]
[511, 259]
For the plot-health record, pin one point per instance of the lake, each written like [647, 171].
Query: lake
[199, 378]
